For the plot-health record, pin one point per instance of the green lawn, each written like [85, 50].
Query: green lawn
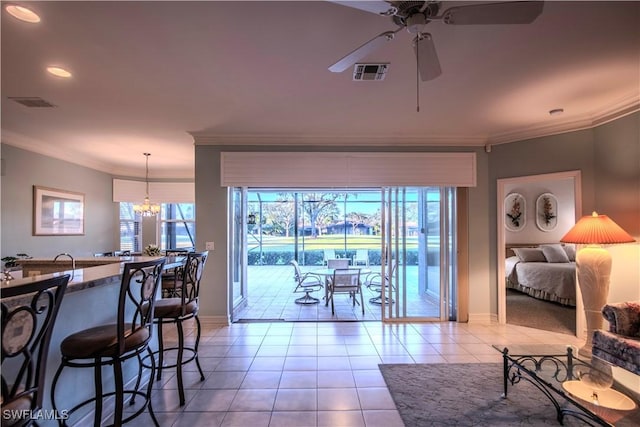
[331, 241]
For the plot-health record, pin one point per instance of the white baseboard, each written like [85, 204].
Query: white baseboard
[483, 318]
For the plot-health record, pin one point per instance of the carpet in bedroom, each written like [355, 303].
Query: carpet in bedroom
[524, 310]
[469, 395]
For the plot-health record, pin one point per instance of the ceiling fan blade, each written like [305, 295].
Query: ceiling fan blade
[521, 12]
[379, 7]
[362, 51]
[427, 57]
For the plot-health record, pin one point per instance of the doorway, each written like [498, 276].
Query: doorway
[312, 225]
[565, 188]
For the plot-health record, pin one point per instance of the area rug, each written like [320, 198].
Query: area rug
[468, 395]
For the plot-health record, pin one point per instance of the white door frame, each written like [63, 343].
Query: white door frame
[500, 245]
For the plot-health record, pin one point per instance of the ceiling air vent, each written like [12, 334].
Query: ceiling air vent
[370, 71]
[32, 101]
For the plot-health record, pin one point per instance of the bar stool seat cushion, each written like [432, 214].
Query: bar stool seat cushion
[20, 404]
[172, 307]
[101, 341]
[11, 410]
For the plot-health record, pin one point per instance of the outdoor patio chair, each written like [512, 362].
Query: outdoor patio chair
[346, 281]
[374, 283]
[361, 257]
[328, 254]
[338, 263]
[307, 282]
[334, 264]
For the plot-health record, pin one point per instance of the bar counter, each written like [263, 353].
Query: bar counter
[90, 272]
[91, 299]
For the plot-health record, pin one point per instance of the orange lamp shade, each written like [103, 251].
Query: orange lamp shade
[596, 229]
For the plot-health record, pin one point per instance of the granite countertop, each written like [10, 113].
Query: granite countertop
[84, 261]
[90, 277]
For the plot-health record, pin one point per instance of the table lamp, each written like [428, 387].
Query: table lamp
[593, 264]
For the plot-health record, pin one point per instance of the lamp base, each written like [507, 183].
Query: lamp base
[593, 264]
[585, 351]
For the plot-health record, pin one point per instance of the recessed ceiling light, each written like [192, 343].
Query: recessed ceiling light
[59, 72]
[556, 111]
[22, 13]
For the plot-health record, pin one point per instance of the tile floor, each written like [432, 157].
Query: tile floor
[308, 374]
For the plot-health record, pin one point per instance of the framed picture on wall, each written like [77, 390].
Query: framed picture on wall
[57, 212]
[515, 212]
[546, 212]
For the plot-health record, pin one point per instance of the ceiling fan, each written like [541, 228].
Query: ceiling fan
[415, 15]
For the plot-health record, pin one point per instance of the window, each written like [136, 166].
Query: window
[177, 226]
[130, 230]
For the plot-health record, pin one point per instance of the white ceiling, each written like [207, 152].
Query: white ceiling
[149, 75]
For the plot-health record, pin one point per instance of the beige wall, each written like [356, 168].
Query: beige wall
[21, 170]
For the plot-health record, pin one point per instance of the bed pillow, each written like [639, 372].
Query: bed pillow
[571, 251]
[554, 253]
[530, 254]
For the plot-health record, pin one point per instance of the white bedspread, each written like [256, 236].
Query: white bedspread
[543, 280]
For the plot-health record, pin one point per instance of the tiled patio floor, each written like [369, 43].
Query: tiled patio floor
[271, 297]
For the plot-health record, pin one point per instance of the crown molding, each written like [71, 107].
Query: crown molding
[203, 138]
[623, 107]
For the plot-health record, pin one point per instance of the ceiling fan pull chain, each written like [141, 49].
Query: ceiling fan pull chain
[417, 74]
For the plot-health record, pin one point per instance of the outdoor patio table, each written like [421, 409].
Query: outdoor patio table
[327, 273]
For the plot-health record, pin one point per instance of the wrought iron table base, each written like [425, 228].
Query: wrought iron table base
[515, 371]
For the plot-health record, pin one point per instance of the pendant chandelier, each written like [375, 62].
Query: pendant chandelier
[147, 208]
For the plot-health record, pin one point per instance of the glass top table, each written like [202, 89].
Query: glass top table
[589, 387]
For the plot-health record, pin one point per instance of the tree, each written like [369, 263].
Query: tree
[319, 207]
[356, 219]
[280, 215]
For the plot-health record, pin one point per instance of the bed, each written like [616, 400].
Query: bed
[546, 271]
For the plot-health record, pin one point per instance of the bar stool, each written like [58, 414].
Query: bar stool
[115, 343]
[171, 277]
[177, 310]
[28, 315]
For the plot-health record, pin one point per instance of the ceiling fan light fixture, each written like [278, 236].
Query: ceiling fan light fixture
[416, 23]
[22, 13]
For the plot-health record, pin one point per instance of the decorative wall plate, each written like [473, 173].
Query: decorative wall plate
[515, 212]
[546, 212]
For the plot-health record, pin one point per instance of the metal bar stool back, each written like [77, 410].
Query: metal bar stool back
[177, 310]
[170, 278]
[113, 344]
[28, 315]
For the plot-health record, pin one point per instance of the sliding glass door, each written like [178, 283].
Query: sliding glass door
[238, 259]
[418, 231]
[401, 238]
